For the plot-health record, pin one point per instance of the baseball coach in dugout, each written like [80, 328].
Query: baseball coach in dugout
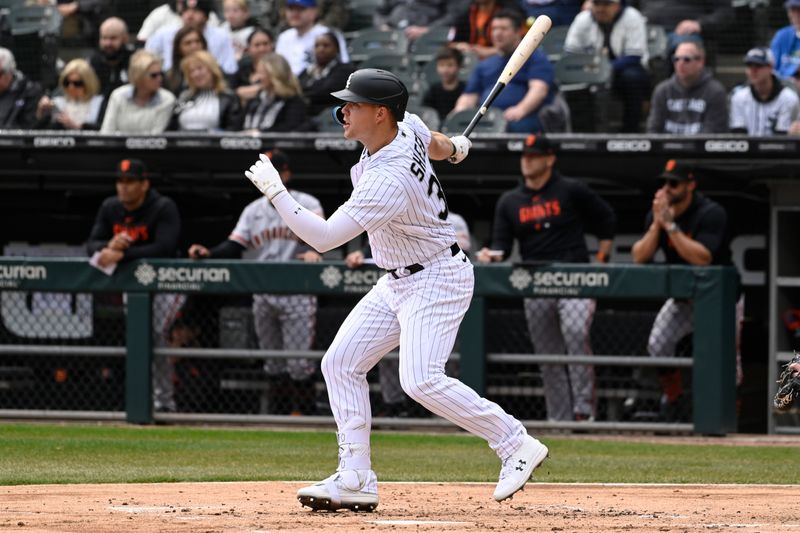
[418, 305]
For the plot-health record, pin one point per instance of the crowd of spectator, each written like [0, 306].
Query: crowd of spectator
[247, 41]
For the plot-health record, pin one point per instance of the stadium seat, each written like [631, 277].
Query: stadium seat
[43, 20]
[581, 71]
[584, 80]
[428, 115]
[401, 65]
[361, 14]
[369, 42]
[492, 122]
[34, 34]
[657, 49]
[553, 43]
[424, 49]
[326, 122]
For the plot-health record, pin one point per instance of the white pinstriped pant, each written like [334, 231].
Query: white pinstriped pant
[421, 313]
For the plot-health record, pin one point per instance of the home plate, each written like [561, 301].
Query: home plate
[418, 523]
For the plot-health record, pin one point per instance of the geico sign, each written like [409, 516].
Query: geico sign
[629, 145]
[240, 143]
[727, 146]
[54, 142]
[145, 143]
[515, 146]
[335, 144]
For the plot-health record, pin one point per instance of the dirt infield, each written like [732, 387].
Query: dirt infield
[271, 506]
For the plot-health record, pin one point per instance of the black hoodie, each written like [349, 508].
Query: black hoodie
[154, 227]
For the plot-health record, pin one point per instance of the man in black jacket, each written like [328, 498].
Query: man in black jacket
[19, 96]
[110, 59]
[139, 223]
[548, 214]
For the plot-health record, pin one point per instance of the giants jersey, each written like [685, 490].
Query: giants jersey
[261, 228]
[399, 201]
[550, 222]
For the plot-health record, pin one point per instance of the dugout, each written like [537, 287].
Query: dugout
[52, 184]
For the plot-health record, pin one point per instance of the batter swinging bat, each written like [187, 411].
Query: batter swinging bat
[529, 43]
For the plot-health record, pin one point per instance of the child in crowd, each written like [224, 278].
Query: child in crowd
[443, 94]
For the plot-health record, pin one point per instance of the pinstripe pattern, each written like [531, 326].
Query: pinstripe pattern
[394, 205]
[404, 212]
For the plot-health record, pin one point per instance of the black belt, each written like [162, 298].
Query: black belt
[416, 267]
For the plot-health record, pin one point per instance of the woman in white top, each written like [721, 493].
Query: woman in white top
[141, 106]
[208, 104]
[79, 105]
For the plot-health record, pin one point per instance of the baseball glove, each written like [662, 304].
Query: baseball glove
[788, 385]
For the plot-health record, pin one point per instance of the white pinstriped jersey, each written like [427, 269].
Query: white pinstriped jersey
[763, 118]
[260, 228]
[399, 201]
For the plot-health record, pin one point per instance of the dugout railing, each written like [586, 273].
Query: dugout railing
[711, 289]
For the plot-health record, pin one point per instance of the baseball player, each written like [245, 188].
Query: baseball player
[548, 214]
[138, 223]
[691, 229]
[281, 321]
[418, 305]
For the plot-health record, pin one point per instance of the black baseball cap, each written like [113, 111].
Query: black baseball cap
[538, 145]
[760, 55]
[279, 159]
[132, 168]
[676, 170]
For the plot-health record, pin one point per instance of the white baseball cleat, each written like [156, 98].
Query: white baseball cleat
[518, 469]
[356, 490]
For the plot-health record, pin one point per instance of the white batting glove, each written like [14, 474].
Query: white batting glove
[265, 177]
[461, 146]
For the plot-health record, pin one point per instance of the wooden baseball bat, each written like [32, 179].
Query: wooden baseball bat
[529, 43]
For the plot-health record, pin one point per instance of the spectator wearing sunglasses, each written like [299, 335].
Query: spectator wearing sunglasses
[78, 106]
[764, 106]
[141, 106]
[691, 101]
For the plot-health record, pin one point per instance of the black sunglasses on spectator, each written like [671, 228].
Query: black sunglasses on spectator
[74, 83]
[155, 75]
[672, 183]
[685, 59]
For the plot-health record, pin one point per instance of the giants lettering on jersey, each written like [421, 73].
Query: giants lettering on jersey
[136, 233]
[271, 234]
[539, 210]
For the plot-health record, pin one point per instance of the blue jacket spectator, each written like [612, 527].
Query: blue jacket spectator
[532, 87]
[786, 43]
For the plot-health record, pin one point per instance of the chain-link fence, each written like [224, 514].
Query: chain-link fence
[242, 354]
[569, 356]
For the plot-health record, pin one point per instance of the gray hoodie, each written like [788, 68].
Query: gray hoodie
[700, 108]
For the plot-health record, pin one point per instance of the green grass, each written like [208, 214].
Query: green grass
[50, 453]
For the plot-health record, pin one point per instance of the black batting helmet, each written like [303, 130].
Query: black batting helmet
[374, 86]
